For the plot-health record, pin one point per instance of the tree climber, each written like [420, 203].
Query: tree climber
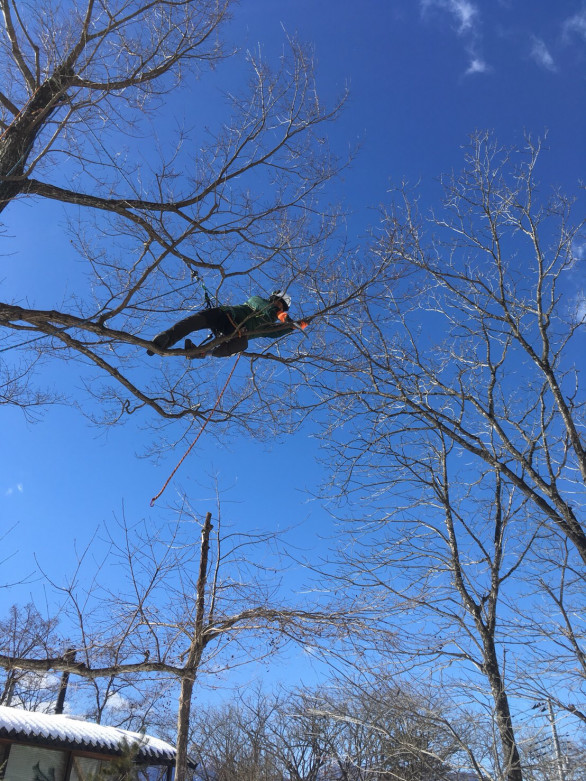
[239, 323]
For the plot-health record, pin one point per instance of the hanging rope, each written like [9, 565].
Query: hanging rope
[206, 421]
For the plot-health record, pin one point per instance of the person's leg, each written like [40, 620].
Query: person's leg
[213, 319]
[196, 322]
[231, 347]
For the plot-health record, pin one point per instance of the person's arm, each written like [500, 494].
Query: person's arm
[277, 331]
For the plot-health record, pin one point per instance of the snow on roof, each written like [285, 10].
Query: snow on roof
[84, 735]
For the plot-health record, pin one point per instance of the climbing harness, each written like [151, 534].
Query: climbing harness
[202, 429]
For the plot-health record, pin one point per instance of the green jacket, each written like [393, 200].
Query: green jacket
[259, 317]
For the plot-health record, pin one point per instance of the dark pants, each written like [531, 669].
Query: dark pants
[215, 320]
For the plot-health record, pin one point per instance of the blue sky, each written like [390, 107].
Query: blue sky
[422, 76]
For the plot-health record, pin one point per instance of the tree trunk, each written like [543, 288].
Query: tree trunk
[511, 758]
[183, 716]
[17, 141]
[194, 659]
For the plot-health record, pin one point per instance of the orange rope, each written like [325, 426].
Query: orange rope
[206, 421]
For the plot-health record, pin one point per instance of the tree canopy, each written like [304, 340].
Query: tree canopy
[158, 218]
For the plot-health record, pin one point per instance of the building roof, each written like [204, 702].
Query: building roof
[70, 733]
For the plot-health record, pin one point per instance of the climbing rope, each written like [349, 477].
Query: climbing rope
[195, 277]
[22, 344]
[206, 421]
[162, 295]
[44, 336]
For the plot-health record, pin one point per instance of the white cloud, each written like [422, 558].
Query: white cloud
[464, 12]
[581, 309]
[576, 24]
[578, 251]
[466, 16]
[18, 488]
[578, 302]
[540, 53]
[47, 680]
[477, 65]
[117, 702]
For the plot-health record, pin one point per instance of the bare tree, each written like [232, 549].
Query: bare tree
[84, 88]
[386, 729]
[186, 610]
[266, 736]
[61, 64]
[232, 742]
[448, 563]
[556, 630]
[502, 384]
[461, 392]
[303, 742]
[26, 633]
[339, 731]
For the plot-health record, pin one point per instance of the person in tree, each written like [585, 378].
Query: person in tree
[258, 317]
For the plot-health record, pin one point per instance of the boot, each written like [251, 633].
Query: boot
[189, 345]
